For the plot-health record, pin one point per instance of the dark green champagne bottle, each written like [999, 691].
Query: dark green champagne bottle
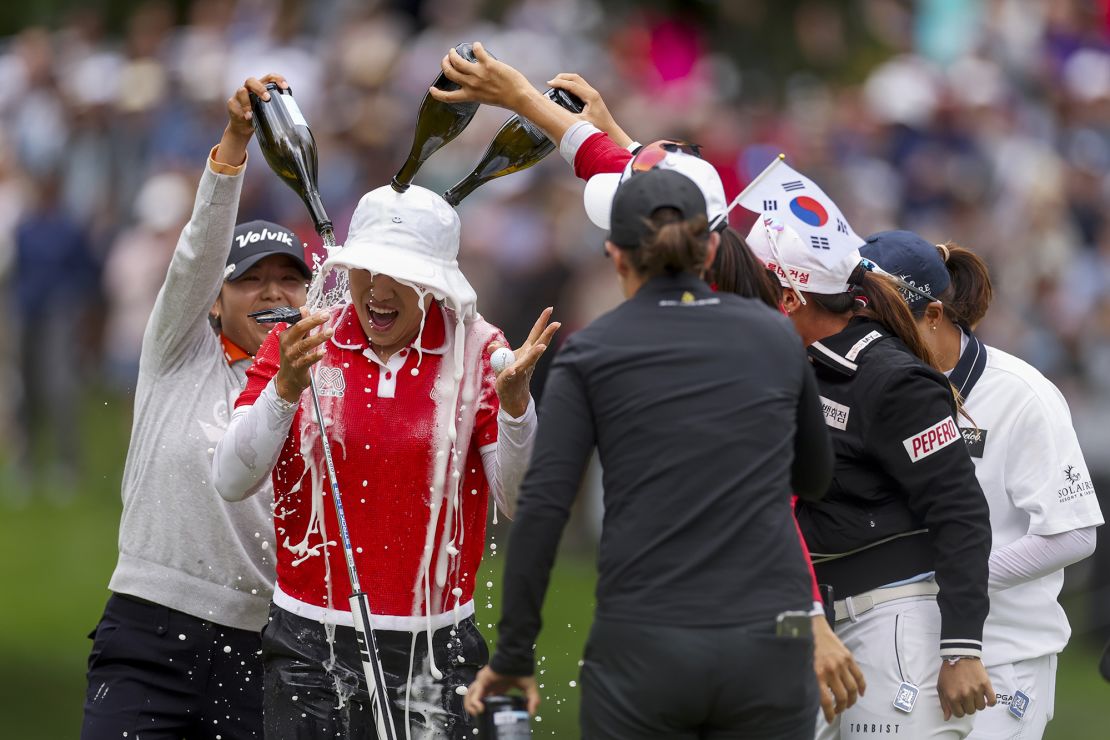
[517, 146]
[290, 149]
[436, 124]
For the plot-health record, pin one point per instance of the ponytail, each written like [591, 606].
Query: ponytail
[877, 297]
[885, 303]
[736, 270]
[969, 295]
[672, 246]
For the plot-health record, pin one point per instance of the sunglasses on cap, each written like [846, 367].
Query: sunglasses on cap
[865, 266]
[649, 156]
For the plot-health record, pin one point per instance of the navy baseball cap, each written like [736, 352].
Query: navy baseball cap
[639, 197]
[254, 241]
[906, 255]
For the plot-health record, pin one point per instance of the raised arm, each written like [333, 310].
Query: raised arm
[493, 82]
[179, 321]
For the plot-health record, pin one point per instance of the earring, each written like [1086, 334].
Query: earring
[934, 327]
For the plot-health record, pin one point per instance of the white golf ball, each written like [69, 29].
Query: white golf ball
[501, 359]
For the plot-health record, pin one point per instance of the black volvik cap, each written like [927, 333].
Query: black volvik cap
[640, 196]
[257, 240]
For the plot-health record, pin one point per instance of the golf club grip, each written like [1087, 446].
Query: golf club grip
[371, 661]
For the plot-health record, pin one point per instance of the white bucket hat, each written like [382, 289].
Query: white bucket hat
[600, 189]
[412, 237]
[792, 255]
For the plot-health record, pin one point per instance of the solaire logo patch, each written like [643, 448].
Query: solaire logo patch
[1075, 487]
[933, 439]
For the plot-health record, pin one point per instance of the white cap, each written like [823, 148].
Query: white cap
[799, 259]
[600, 189]
[412, 237]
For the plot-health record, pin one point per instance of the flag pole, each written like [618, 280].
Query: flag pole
[758, 178]
[772, 239]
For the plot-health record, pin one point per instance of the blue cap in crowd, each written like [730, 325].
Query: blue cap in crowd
[906, 255]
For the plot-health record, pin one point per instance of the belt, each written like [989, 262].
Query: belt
[853, 606]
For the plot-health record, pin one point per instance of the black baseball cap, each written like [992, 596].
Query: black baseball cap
[256, 240]
[639, 197]
[908, 256]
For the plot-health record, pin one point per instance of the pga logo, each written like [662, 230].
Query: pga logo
[252, 237]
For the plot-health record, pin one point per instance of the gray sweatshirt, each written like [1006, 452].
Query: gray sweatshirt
[180, 544]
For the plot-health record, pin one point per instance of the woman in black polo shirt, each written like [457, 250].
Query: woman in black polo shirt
[903, 534]
[706, 417]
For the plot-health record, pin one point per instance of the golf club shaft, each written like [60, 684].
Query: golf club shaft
[360, 603]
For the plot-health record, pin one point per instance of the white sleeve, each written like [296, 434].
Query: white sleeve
[1035, 556]
[249, 449]
[506, 462]
[574, 138]
[1046, 476]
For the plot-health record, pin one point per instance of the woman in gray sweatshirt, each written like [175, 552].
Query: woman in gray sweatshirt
[178, 645]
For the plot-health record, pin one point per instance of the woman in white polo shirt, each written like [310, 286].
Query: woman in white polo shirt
[1018, 429]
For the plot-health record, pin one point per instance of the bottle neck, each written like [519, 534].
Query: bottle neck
[316, 209]
[463, 188]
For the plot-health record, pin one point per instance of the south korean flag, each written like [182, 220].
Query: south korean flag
[796, 201]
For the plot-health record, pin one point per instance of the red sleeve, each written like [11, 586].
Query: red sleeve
[805, 551]
[599, 154]
[263, 369]
[485, 422]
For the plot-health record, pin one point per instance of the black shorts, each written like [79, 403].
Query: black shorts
[642, 682]
[155, 673]
[307, 697]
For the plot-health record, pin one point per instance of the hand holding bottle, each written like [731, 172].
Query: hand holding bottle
[595, 111]
[485, 80]
[233, 145]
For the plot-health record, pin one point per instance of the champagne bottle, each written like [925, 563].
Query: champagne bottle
[517, 146]
[436, 124]
[290, 150]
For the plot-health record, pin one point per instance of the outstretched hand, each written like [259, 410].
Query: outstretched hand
[595, 110]
[486, 80]
[514, 381]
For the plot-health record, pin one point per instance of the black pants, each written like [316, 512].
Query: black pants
[641, 682]
[157, 673]
[306, 698]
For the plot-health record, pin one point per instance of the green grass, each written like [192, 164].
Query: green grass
[57, 562]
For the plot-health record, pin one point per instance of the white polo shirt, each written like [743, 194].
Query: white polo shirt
[1029, 464]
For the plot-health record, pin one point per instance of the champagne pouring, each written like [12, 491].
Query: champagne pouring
[290, 150]
[518, 145]
[436, 124]
[287, 144]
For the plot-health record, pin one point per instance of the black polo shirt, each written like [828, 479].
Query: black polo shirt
[706, 416]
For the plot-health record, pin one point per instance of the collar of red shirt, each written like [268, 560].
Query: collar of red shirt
[433, 341]
[232, 351]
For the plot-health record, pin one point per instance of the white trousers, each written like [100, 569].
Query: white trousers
[895, 643]
[1026, 688]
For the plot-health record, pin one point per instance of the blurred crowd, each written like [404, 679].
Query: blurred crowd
[986, 123]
